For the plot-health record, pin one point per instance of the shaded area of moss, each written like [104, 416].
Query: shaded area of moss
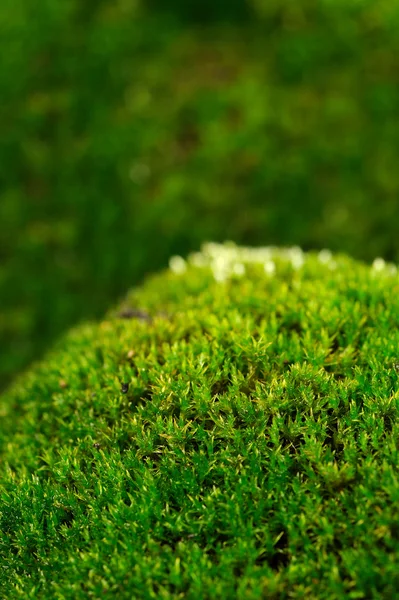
[233, 439]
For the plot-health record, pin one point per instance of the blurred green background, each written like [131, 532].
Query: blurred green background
[131, 131]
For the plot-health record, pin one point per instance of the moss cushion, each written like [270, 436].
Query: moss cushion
[230, 431]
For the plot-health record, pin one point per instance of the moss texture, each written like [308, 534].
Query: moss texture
[127, 137]
[230, 431]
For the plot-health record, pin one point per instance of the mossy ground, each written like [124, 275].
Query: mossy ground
[253, 455]
[127, 137]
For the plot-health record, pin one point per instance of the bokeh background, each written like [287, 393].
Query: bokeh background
[133, 130]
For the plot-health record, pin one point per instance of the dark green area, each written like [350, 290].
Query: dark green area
[205, 11]
[128, 136]
[252, 452]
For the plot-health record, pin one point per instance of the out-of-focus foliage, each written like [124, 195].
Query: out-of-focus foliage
[206, 11]
[127, 137]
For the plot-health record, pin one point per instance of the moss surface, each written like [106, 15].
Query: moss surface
[231, 431]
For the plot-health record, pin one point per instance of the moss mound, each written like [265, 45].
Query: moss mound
[231, 431]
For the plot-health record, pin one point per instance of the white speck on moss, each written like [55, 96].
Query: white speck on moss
[220, 276]
[220, 267]
[270, 267]
[325, 256]
[177, 264]
[228, 260]
[297, 257]
[379, 264]
[239, 269]
[198, 259]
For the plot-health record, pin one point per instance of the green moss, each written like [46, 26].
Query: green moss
[231, 431]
